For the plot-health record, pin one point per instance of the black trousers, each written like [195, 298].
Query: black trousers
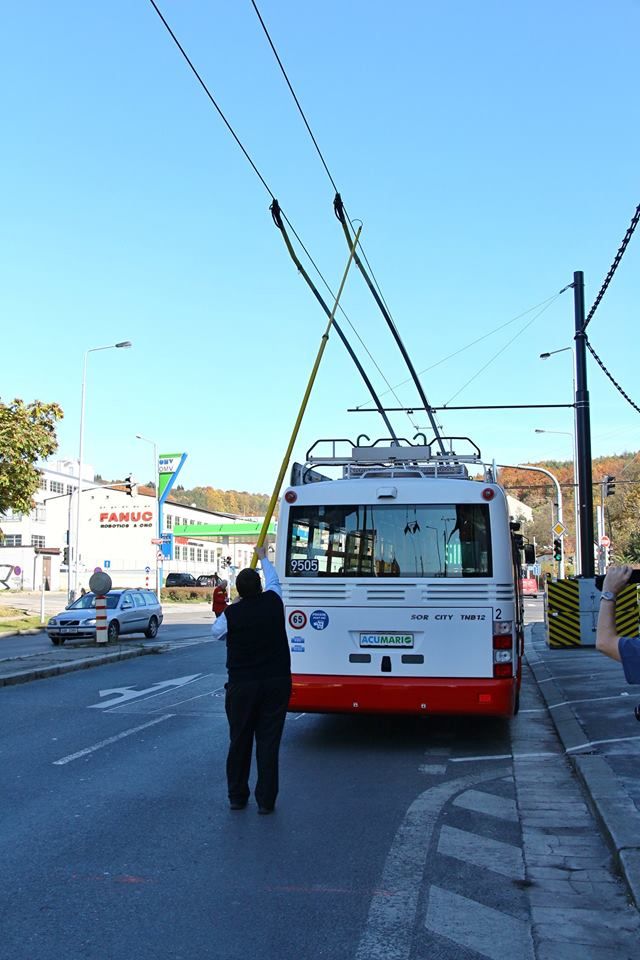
[256, 710]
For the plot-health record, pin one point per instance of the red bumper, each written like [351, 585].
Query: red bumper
[416, 695]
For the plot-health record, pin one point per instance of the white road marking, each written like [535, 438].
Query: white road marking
[128, 693]
[500, 807]
[389, 931]
[505, 756]
[105, 743]
[597, 743]
[496, 855]
[565, 703]
[435, 769]
[488, 932]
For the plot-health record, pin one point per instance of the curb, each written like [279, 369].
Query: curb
[69, 666]
[613, 808]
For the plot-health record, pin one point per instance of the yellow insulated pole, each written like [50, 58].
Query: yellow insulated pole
[303, 406]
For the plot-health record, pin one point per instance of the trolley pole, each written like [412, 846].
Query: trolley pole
[583, 434]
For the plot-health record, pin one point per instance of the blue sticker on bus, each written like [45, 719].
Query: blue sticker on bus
[297, 648]
[319, 620]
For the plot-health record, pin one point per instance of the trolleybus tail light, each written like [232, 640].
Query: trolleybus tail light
[502, 648]
[291, 496]
[502, 670]
[488, 493]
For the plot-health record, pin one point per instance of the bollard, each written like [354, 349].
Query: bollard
[101, 620]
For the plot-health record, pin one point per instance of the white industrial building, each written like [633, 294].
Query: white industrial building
[116, 535]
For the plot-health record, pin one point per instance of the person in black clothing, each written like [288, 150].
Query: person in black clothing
[259, 685]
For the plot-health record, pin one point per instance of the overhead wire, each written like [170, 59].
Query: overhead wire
[269, 191]
[502, 349]
[614, 266]
[485, 336]
[339, 206]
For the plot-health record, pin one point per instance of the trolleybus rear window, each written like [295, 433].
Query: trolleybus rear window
[390, 540]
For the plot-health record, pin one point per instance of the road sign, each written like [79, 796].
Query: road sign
[159, 555]
[558, 529]
[100, 583]
[156, 540]
[605, 541]
[147, 569]
[107, 564]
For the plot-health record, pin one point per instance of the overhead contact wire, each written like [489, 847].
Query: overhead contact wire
[273, 198]
[377, 294]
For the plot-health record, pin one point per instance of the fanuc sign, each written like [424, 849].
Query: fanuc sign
[125, 518]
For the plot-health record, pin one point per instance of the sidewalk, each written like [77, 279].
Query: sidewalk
[72, 656]
[592, 708]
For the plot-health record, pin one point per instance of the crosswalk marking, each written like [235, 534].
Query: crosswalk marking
[500, 807]
[496, 855]
[489, 932]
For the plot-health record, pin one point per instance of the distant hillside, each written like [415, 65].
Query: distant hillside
[223, 501]
[621, 510]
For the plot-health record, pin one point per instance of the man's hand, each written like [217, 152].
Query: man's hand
[261, 552]
[616, 578]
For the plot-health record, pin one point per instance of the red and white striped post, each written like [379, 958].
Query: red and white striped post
[100, 584]
[102, 635]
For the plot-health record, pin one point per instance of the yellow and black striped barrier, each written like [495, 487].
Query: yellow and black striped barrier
[572, 613]
[627, 611]
[563, 613]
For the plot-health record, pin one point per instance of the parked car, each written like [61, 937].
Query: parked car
[207, 580]
[128, 611]
[180, 580]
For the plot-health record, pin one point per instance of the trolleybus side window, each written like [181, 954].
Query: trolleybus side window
[390, 540]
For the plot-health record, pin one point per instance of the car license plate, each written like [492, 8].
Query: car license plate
[402, 640]
[67, 630]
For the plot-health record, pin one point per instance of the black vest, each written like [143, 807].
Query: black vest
[257, 644]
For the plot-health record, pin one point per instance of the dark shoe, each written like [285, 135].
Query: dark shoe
[237, 804]
[265, 810]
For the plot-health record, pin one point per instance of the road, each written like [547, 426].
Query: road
[393, 838]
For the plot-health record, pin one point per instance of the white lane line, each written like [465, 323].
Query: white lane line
[496, 855]
[597, 743]
[566, 703]
[105, 743]
[505, 756]
[488, 932]
[500, 807]
[389, 930]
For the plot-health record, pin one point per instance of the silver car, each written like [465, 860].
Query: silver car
[128, 611]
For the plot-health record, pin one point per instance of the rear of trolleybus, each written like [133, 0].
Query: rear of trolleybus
[400, 595]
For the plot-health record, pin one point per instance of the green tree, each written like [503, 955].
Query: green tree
[27, 434]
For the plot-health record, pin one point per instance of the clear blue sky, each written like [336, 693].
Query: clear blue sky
[490, 150]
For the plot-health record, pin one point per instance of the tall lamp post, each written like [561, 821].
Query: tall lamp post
[158, 522]
[76, 564]
[576, 493]
[567, 433]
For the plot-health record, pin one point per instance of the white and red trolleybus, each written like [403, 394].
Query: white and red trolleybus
[400, 583]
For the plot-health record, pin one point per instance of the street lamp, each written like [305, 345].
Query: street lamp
[155, 480]
[110, 346]
[567, 433]
[576, 493]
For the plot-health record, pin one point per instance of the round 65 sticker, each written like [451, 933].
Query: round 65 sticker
[298, 619]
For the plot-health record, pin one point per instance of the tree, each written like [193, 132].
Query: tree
[27, 434]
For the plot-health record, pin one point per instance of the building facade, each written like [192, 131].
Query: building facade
[118, 533]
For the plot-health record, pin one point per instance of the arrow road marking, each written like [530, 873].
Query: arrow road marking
[129, 693]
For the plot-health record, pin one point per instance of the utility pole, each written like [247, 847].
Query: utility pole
[583, 433]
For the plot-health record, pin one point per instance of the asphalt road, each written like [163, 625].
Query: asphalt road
[394, 838]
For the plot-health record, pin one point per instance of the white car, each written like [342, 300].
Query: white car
[128, 611]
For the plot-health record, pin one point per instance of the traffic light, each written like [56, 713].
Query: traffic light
[557, 549]
[229, 561]
[65, 556]
[129, 486]
[609, 485]
[223, 562]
